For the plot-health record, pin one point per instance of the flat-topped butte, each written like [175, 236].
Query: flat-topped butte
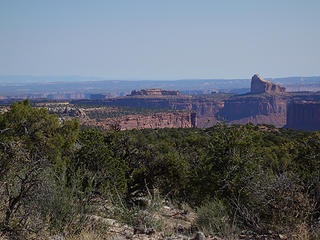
[155, 92]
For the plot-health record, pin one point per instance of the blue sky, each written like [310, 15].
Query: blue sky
[160, 39]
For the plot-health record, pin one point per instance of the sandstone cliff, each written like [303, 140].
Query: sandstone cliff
[260, 85]
[239, 109]
[100, 117]
[205, 108]
[304, 115]
[156, 120]
[265, 104]
[267, 109]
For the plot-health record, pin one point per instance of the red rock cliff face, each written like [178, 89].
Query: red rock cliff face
[304, 115]
[268, 109]
[205, 108]
[260, 85]
[266, 104]
[156, 120]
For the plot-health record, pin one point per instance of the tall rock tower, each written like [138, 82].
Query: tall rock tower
[260, 85]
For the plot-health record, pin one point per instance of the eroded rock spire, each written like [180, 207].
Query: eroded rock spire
[260, 85]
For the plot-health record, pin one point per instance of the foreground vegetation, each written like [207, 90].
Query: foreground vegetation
[55, 176]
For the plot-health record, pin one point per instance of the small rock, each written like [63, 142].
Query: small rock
[128, 233]
[281, 236]
[56, 237]
[182, 237]
[141, 230]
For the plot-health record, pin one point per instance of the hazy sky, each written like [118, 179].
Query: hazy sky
[160, 39]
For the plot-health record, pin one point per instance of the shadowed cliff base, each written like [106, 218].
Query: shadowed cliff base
[304, 115]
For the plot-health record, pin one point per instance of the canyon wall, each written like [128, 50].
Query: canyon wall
[267, 109]
[155, 120]
[304, 115]
[106, 117]
[238, 109]
[265, 104]
[205, 108]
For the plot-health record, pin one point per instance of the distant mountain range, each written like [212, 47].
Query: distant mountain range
[82, 87]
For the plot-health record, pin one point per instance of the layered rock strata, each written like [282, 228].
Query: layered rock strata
[156, 120]
[304, 115]
[265, 104]
[267, 109]
[205, 108]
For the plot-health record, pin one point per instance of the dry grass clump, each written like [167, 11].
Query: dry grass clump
[304, 232]
[86, 235]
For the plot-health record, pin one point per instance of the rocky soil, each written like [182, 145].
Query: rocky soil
[176, 224]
